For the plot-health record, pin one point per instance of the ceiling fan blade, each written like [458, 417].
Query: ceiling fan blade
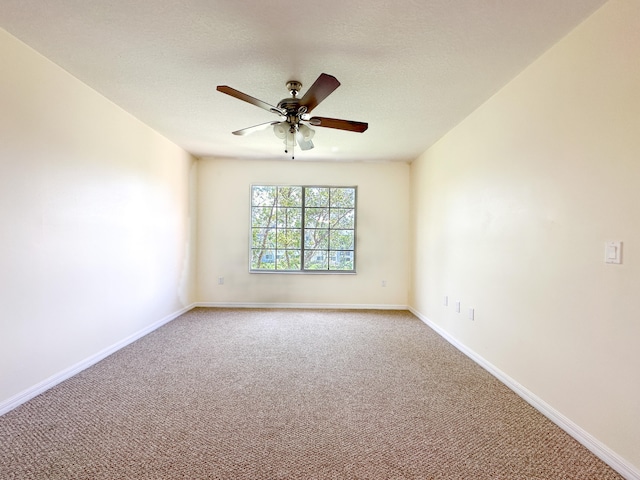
[255, 128]
[349, 125]
[321, 89]
[248, 98]
[304, 144]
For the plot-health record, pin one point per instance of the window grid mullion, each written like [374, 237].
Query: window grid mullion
[275, 249]
[329, 229]
[303, 262]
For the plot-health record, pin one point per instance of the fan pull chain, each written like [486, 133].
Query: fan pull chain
[293, 143]
[286, 150]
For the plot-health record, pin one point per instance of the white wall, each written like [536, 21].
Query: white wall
[510, 214]
[97, 237]
[382, 235]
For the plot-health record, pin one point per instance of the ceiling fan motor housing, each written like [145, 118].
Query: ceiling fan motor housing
[289, 105]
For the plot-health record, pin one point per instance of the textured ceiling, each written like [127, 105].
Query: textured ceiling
[412, 69]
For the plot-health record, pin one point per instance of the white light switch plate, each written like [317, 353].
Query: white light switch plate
[613, 252]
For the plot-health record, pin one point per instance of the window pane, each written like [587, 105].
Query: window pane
[288, 260]
[290, 196]
[316, 239]
[341, 240]
[340, 260]
[289, 217]
[316, 260]
[316, 218]
[263, 259]
[342, 218]
[343, 197]
[263, 217]
[263, 195]
[316, 197]
[263, 238]
[289, 239]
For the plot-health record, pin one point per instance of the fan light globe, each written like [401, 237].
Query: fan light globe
[281, 129]
[286, 133]
[306, 132]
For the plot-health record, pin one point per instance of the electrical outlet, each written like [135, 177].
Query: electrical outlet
[220, 280]
[445, 301]
[471, 314]
[383, 283]
[457, 307]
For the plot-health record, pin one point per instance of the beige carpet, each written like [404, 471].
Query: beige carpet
[288, 394]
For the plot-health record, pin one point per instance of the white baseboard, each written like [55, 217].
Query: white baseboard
[60, 377]
[326, 306]
[599, 449]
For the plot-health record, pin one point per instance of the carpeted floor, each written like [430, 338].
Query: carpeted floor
[288, 394]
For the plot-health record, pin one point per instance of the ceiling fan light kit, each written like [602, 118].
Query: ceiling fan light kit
[295, 112]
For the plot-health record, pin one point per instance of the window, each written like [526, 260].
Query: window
[303, 228]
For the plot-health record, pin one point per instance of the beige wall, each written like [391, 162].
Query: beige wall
[382, 235]
[97, 237]
[510, 214]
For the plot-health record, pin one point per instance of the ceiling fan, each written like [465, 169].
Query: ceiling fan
[295, 112]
